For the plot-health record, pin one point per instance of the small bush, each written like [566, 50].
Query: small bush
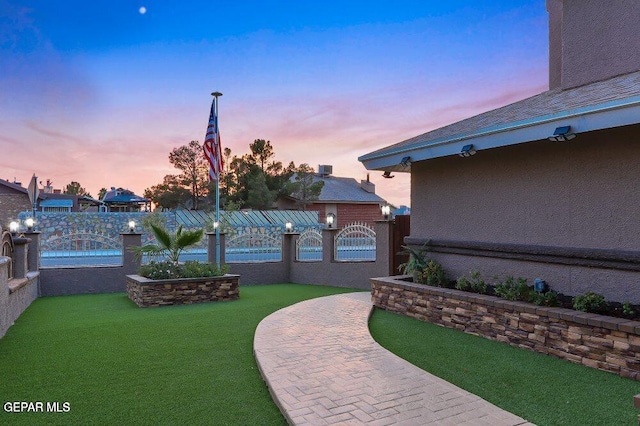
[433, 274]
[550, 298]
[590, 302]
[190, 269]
[473, 284]
[627, 309]
[512, 289]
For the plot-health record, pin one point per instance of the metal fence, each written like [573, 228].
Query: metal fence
[355, 243]
[253, 248]
[80, 249]
[309, 246]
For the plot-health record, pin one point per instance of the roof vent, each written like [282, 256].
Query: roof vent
[325, 170]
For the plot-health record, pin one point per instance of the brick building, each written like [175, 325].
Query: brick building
[13, 200]
[345, 198]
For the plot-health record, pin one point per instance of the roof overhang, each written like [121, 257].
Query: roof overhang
[617, 113]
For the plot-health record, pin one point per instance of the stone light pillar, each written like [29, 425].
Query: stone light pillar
[328, 245]
[130, 262]
[211, 247]
[289, 240]
[384, 245]
[20, 254]
[33, 258]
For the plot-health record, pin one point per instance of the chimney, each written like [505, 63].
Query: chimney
[325, 170]
[368, 186]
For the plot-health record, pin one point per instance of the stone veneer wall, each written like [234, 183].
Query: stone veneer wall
[602, 342]
[15, 294]
[145, 292]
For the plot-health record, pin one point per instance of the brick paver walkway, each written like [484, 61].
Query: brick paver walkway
[323, 367]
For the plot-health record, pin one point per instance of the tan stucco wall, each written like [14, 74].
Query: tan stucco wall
[598, 40]
[554, 9]
[584, 193]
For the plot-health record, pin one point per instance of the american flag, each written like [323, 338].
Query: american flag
[212, 148]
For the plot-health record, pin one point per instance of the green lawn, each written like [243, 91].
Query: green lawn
[116, 363]
[542, 389]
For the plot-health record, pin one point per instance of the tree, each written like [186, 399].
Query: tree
[190, 160]
[102, 193]
[169, 194]
[259, 195]
[261, 152]
[303, 188]
[170, 245]
[74, 188]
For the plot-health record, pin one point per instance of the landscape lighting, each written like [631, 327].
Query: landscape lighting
[29, 223]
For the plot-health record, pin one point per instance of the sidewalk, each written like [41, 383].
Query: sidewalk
[323, 367]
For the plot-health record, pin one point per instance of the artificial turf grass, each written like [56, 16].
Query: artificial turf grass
[542, 389]
[116, 363]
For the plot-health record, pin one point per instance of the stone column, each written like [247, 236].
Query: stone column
[328, 245]
[20, 254]
[130, 262]
[34, 250]
[384, 246]
[212, 247]
[289, 251]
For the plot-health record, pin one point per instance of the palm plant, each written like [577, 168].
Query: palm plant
[170, 245]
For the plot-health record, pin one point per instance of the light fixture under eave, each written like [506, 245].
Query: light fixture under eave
[562, 134]
[467, 151]
[387, 175]
[405, 162]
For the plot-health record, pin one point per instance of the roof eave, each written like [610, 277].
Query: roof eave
[611, 114]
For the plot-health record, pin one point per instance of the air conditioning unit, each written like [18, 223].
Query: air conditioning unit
[325, 170]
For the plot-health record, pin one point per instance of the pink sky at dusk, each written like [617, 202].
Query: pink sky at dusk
[105, 104]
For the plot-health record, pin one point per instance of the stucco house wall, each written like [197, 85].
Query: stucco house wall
[589, 40]
[559, 200]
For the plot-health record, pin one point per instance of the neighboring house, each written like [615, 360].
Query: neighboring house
[531, 202]
[123, 200]
[345, 198]
[13, 200]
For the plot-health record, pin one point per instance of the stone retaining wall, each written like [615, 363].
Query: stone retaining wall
[602, 342]
[145, 292]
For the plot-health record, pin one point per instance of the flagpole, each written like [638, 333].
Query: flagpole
[217, 142]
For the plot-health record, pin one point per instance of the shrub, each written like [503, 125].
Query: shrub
[550, 298]
[590, 302]
[190, 269]
[416, 263]
[627, 309]
[512, 289]
[433, 274]
[473, 284]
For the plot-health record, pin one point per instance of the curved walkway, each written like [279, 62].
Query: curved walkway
[323, 367]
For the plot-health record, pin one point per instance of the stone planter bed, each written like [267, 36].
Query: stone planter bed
[146, 292]
[607, 343]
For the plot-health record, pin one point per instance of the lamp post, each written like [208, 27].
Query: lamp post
[13, 227]
[29, 222]
[288, 226]
[330, 219]
[386, 211]
[132, 226]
